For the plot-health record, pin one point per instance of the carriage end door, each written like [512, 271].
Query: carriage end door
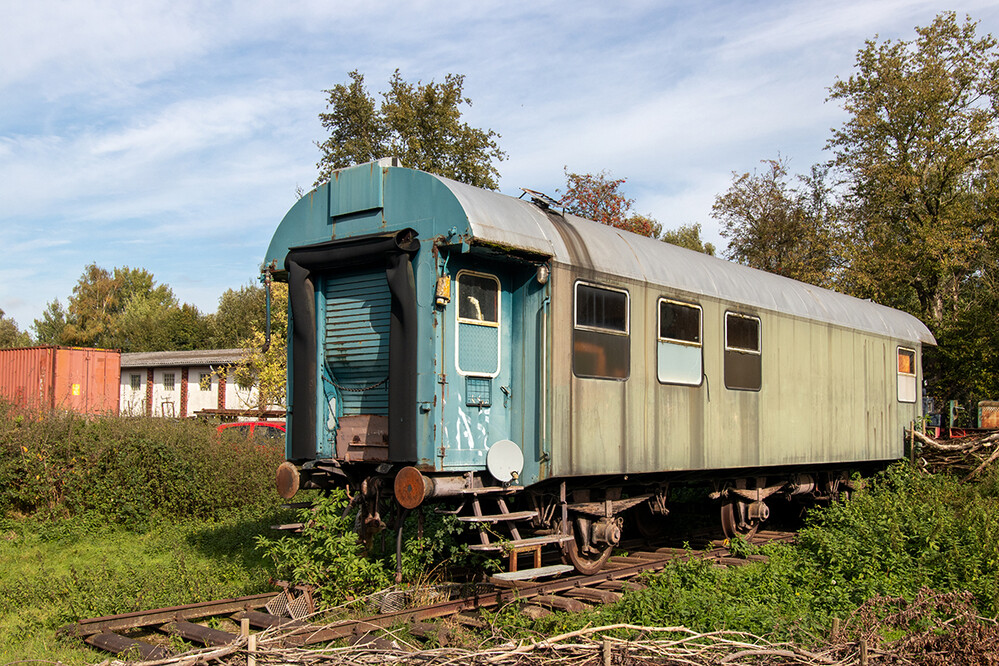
[478, 395]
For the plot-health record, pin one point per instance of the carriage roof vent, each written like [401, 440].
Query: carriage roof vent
[389, 161]
[540, 199]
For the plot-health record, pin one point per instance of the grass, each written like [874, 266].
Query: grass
[55, 572]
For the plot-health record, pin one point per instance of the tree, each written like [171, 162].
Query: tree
[239, 313]
[919, 155]
[773, 226]
[266, 366]
[688, 236]
[48, 329]
[419, 123]
[599, 198]
[123, 309]
[11, 335]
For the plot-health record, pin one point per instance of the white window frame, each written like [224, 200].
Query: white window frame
[684, 343]
[759, 334]
[906, 376]
[700, 322]
[475, 322]
[599, 329]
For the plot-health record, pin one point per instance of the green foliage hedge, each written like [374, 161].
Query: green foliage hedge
[128, 470]
[905, 533]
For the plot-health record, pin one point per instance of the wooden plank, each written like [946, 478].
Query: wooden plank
[122, 646]
[622, 585]
[559, 603]
[593, 594]
[530, 574]
[199, 633]
[521, 543]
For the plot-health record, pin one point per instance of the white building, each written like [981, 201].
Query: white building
[186, 383]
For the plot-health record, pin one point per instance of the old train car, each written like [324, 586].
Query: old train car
[456, 344]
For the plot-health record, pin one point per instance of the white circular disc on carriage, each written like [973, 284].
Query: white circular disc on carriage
[504, 460]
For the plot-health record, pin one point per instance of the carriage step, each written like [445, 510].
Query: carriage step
[499, 517]
[521, 544]
[492, 490]
[289, 527]
[531, 574]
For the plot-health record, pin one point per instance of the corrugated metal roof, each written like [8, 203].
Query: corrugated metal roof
[181, 358]
[499, 219]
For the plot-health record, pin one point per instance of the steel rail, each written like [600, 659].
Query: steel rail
[97, 625]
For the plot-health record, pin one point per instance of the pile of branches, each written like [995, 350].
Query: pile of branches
[966, 455]
[932, 630]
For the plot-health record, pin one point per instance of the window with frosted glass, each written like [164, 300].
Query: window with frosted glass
[678, 353]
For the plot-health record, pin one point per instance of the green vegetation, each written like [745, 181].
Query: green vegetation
[419, 123]
[329, 554]
[108, 515]
[905, 533]
[111, 515]
[54, 572]
[130, 471]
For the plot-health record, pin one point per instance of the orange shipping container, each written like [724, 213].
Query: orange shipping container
[43, 378]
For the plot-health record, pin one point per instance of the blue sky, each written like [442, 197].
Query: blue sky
[172, 135]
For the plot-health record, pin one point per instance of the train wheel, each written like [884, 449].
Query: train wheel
[586, 564]
[650, 525]
[735, 522]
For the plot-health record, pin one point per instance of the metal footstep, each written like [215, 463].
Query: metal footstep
[538, 572]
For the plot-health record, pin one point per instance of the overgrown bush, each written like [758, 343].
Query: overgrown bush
[329, 554]
[128, 470]
[905, 533]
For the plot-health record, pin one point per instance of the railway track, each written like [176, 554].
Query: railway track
[287, 617]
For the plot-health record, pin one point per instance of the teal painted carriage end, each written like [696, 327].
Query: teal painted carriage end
[473, 385]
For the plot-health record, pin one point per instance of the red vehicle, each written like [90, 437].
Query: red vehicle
[264, 430]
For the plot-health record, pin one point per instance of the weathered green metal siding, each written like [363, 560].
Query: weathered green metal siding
[828, 395]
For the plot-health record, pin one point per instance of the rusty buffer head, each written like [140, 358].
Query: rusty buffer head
[288, 480]
[411, 487]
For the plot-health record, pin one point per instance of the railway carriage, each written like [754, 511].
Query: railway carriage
[554, 375]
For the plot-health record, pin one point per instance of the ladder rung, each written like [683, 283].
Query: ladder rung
[499, 517]
[521, 543]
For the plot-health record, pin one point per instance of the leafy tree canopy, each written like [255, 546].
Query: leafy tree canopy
[919, 155]
[11, 335]
[688, 236]
[599, 197]
[240, 312]
[123, 309]
[419, 123]
[776, 226]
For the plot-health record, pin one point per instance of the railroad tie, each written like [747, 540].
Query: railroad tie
[199, 633]
[120, 645]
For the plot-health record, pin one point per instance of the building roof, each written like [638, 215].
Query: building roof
[182, 358]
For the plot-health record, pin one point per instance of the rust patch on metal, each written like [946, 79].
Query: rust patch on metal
[363, 438]
[409, 487]
[288, 480]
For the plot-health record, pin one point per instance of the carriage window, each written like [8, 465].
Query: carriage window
[601, 346]
[678, 354]
[477, 299]
[478, 338]
[906, 375]
[743, 352]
